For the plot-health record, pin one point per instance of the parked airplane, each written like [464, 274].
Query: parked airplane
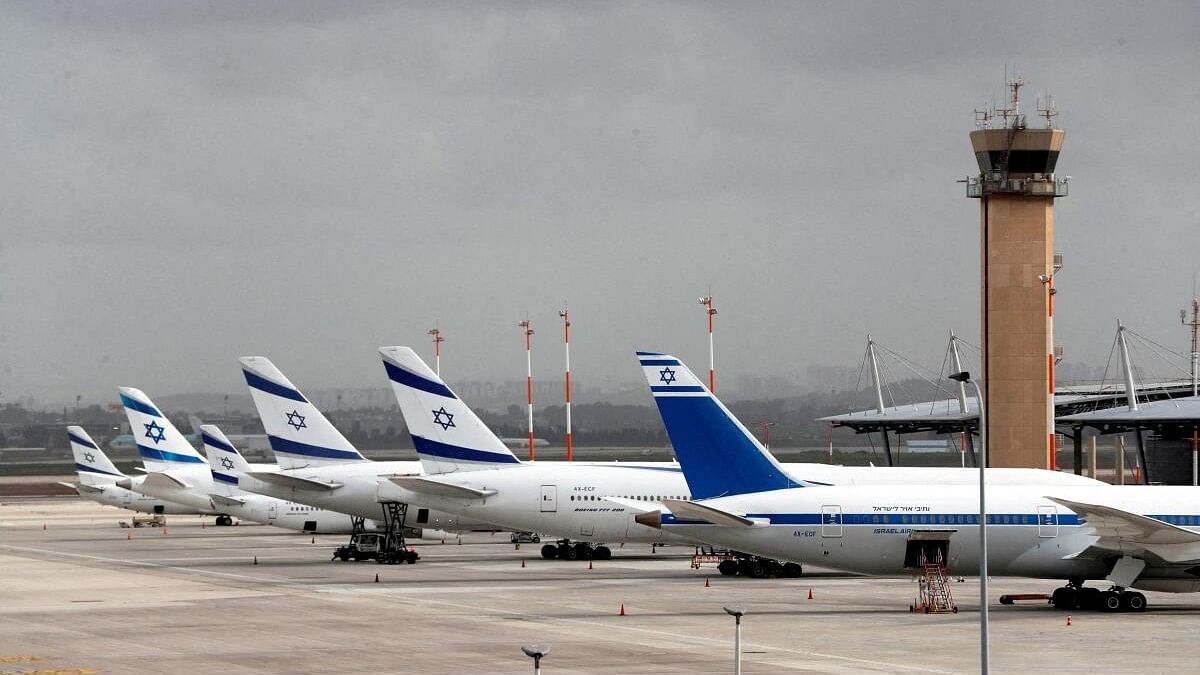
[470, 471]
[1145, 537]
[244, 441]
[319, 466]
[98, 478]
[228, 465]
[175, 470]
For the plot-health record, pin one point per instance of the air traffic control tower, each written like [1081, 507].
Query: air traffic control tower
[1016, 188]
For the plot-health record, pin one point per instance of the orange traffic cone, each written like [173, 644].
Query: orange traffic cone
[589, 565]
[1068, 619]
[522, 563]
[164, 531]
[376, 578]
[128, 535]
[43, 526]
[810, 594]
[706, 584]
[622, 612]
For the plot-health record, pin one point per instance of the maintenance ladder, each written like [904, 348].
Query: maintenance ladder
[933, 595]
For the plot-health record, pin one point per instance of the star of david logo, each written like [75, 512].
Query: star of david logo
[443, 419]
[227, 463]
[666, 375]
[155, 432]
[89, 457]
[295, 419]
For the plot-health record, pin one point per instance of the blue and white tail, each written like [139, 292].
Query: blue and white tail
[448, 436]
[159, 443]
[93, 466]
[226, 462]
[299, 434]
[718, 455]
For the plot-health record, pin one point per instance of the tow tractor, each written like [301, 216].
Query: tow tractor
[387, 547]
[735, 563]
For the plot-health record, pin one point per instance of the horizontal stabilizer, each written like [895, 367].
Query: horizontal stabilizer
[1130, 533]
[80, 488]
[432, 486]
[693, 511]
[164, 481]
[294, 482]
[222, 500]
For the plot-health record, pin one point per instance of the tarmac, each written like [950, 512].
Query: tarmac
[78, 594]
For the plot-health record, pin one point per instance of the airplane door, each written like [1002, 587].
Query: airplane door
[549, 499]
[1047, 521]
[831, 520]
[272, 511]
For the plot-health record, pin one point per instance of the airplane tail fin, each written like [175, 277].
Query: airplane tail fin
[159, 443]
[226, 462]
[299, 434]
[447, 434]
[718, 455]
[93, 466]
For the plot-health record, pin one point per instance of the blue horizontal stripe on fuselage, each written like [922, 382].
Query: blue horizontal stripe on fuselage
[661, 362]
[82, 441]
[225, 478]
[164, 456]
[433, 448]
[411, 379]
[263, 384]
[938, 519]
[134, 404]
[677, 390]
[305, 450]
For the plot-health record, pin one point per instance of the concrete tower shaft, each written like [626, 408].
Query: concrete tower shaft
[1016, 187]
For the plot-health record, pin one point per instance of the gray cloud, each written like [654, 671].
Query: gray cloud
[187, 182]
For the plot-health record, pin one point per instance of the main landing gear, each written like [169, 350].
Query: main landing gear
[1076, 596]
[224, 521]
[564, 549]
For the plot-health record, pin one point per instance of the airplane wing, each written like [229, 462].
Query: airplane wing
[428, 485]
[694, 511]
[222, 500]
[1122, 531]
[164, 481]
[294, 482]
[634, 505]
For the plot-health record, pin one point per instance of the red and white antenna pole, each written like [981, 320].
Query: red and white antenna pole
[566, 317]
[528, 328]
[437, 350]
[711, 311]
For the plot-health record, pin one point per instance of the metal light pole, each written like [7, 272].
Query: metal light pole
[710, 311]
[437, 349]
[737, 613]
[536, 652]
[528, 330]
[964, 377]
[566, 317]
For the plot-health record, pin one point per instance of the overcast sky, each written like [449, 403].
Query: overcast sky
[184, 183]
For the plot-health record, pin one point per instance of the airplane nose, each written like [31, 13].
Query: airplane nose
[650, 519]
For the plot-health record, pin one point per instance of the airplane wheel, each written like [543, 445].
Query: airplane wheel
[792, 570]
[549, 551]
[1133, 602]
[572, 553]
[602, 553]
[1089, 598]
[758, 570]
[1110, 601]
[728, 568]
[1064, 598]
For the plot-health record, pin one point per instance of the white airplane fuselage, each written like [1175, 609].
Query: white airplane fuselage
[113, 495]
[288, 515]
[567, 500]
[358, 493]
[872, 531]
[194, 491]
